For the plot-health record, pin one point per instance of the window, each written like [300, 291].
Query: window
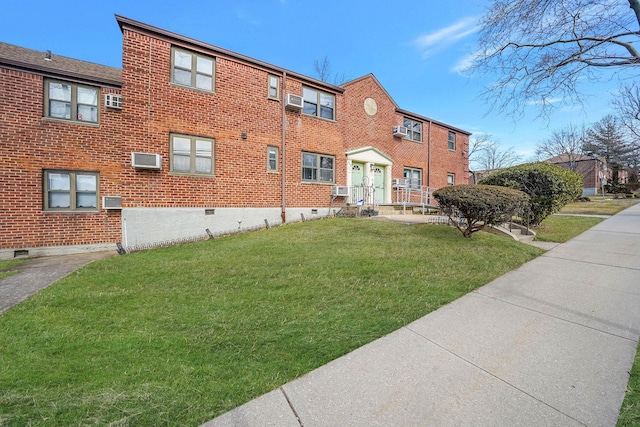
[413, 177]
[452, 141]
[70, 190]
[193, 70]
[69, 101]
[315, 100]
[272, 159]
[451, 179]
[414, 130]
[191, 155]
[274, 87]
[318, 168]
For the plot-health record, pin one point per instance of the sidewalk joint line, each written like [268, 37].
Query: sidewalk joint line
[291, 406]
[553, 316]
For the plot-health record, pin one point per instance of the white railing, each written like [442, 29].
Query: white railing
[409, 195]
[412, 195]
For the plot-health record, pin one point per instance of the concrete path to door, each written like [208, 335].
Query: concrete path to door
[548, 344]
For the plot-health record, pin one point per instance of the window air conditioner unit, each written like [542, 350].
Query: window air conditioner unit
[400, 131]
[399, 182]
[113, 100]
[111, 202]
[146, 161]
[340, 190]
[294, 102]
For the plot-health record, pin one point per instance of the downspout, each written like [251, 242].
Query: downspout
[283, 212]
[429, 163]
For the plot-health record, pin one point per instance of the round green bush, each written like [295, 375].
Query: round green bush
[480, 205]
[549, 187]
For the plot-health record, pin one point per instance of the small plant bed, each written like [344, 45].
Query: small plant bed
[179, 335]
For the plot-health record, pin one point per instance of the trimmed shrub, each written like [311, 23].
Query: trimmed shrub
[480, 205]
[549, 187]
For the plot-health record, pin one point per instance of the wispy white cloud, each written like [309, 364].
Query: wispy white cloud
[442, 38]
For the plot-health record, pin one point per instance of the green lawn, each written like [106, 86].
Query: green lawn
[176, 336]
[556, 228]
[7, 264]
[598, 206]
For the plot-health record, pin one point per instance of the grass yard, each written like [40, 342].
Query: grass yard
[179, 335]
[560, 229]
[598, 206]
[4, 265]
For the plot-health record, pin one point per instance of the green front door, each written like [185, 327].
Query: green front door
[379, 183]
[357, 177]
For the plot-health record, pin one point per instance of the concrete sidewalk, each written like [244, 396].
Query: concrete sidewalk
[38, 273]
[548, 344]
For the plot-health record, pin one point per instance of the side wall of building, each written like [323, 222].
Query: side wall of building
[30, 145]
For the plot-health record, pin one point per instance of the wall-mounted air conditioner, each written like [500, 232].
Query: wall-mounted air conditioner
[340, 190]
[400, 131]
[399, 183]
[113, 100]
[111, 202]
[146, 161]
[294, 102]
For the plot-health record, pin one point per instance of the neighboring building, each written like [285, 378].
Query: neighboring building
[189, 137]
[594, 170]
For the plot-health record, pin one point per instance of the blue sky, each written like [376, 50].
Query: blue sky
[413, 47]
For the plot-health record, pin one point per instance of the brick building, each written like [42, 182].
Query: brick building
[189, 137]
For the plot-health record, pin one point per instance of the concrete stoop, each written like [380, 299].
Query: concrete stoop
[515, 231]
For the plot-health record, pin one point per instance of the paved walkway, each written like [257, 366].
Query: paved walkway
[548, 344]
[38, 273]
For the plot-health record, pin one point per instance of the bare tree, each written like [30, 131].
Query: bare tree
[322, 69]
[540, 50]
[567, 141]
[627, 105]
[488, 154]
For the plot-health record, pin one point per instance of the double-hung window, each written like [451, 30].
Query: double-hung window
[70, 190]
[70, 101]
[272, 158]
[318, 168]
[274, 87]
[413, 177]
[318, 103]
[414, 129]
[452, 141]
[192, 69]
[191, 155]
[451, 179]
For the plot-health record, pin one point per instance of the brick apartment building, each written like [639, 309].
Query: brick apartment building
[189, 137]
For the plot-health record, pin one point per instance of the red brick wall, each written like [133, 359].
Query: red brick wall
[29, 144]
[361, 130]
[154, 108]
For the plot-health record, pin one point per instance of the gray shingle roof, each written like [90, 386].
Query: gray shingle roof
[34, 61]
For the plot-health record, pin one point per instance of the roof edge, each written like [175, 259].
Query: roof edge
[128, 22]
